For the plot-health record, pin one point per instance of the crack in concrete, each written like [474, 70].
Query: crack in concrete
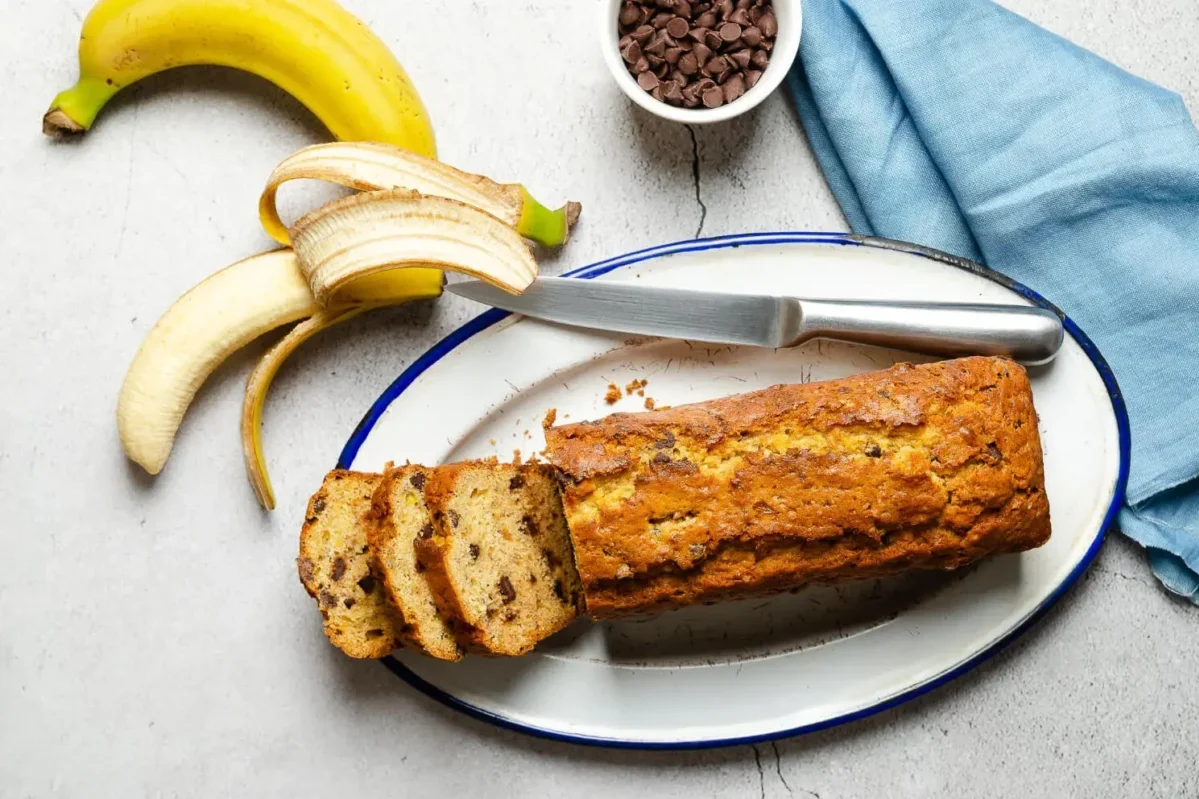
[703, 209]
[778, 767]
[758, 759]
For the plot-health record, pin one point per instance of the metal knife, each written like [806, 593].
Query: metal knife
[1025, 334]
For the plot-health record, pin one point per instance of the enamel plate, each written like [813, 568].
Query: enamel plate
[759, 669]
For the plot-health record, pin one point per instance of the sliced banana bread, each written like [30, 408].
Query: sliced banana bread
[399, 516]
[335, 566]
[498, 555]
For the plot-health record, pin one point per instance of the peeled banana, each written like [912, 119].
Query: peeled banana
[368, 166]
[215, 319]
[313, 49]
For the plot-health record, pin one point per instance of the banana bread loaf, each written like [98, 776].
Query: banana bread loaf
[930, 466]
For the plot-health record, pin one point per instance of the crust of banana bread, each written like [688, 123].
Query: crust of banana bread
[931, 466]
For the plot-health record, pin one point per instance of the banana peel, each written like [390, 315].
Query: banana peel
[370, 166]
[367, 233]
[259, 383]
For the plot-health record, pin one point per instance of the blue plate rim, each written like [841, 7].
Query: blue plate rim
[488, 318]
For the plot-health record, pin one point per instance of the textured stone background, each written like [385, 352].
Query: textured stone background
[154, 640]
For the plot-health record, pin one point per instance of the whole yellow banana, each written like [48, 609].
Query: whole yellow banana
[313, 49]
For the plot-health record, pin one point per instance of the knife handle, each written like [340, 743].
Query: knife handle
[1025, 334]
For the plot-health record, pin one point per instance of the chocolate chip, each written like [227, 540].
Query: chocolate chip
[701, 52]
[677, 27]
[656, 93]
[672, 92]
[631, 53]
[673, 55]
[655, 62]
[643, 34]
[517, 482]
[474, 551]
[740, 17]
[367, 584]
[655, 48]
[994, 452]
[682, 8]
[511, 615]
[668, 440]
[724, 8]
[734, 87]
[532, 579]
[641, 66]
[425, 532]
[752, 76]
[661, 457]
[661, 71]
[647, 81]
[730, 32]
[754, 14]
[740, 58]
[706, 20]
[713, 40]
[769, 25]
[339, 569]
[454, 517]
[760, 59]
[318, 506]
[305, 567]
[752, 36]
[874, 451]
[629, 15]
[418, 481]
[506, 590]
[348, 602]
[698, 33]
[659, 21]
[327, 600]
[713, 98]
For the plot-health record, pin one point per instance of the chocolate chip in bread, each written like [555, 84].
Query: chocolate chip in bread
[335, 566]
[499, 556]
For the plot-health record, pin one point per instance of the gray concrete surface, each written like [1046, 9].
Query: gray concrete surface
[154, 640]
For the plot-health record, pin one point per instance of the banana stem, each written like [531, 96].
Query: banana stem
[74, 110]
[540, 224]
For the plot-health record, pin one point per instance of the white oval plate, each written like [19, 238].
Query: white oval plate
[762, 669]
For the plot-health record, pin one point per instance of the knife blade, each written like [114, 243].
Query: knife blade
[1027, 334]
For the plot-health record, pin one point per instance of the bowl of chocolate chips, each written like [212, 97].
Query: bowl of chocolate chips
[699, 60]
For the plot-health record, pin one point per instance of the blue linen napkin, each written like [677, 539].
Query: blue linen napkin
[961, 126]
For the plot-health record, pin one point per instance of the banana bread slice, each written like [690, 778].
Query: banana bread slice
[930, 466]
[498, 555]
[399, 515]
[335, 566]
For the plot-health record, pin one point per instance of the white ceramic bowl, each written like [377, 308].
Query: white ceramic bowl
[786, 47]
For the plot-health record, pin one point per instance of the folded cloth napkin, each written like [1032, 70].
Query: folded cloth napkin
[961, 126]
